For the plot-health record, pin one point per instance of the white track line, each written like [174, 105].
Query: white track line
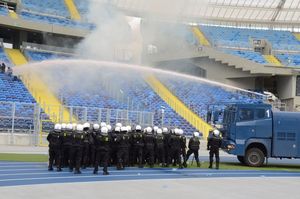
[149, 175]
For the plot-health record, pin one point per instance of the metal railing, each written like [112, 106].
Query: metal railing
[46, 48]
[31, 121]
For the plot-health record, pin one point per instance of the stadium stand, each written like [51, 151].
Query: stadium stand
[13, 90]
[41, 56]
[56, 20]
[3, 11]
[251, 55]
[141, 95]
[53, 7]
[200, 95]
[289, 59]
[240, 37]
[82, 7]
[3, 57]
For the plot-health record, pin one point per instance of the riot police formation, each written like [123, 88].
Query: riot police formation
[78, 146]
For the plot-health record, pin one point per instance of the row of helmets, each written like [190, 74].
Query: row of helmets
[105, 128]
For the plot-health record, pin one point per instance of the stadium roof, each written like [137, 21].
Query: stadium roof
[273, 12]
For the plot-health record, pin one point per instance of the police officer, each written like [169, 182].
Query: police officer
[123, 148]
[213, 144]
[130, 147]
[77, 146]
[194, 145]
[67, 134]
[137, 146]
[183, 146]
[86, 145]
[166, 134]
[92, 152]
[149, 142]
[176, 145]
[114, 145]
[102, 143]
[55, 142]
[159, 147]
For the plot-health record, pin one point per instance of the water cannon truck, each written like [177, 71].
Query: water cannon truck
[254, 132]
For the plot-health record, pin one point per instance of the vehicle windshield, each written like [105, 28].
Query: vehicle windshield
[229, 115]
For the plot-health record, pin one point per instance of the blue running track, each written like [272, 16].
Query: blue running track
[17, 173]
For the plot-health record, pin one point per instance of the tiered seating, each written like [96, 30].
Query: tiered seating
[146, 99]
[82, 6]
[53, 7]
[61, 21]
[41, 56]
[99, 99]
[13, 90]
[142, 97]
[239, 37]
[199, 95]
[3, 57]
[3, 11]
[289, 59]
[251, 55]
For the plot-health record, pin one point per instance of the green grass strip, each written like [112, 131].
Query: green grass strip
[204, 165]
[23, 157]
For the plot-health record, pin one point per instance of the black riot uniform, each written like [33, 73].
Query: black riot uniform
[86, 148]
[76, 154]
[113, 147]
[175, 146]
[92, 152]
[102, 146]
[123, 149]
[183, 149]
[67, 147]
[213, 145]
[149, 143]
[55, 143]
[137, 147]
[167, 136]
[194, 145]
[160, 149]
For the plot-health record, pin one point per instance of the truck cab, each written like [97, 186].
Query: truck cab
[247, 132]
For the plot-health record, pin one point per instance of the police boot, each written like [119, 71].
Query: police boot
[105, 172]
[59, 169]
[210, 165]
[198, 164]
[180, 166]
[141, 166]
[77, 172]
[184, 164]
[119, 166]
[50, 168]
[217, 165]
[95, 171]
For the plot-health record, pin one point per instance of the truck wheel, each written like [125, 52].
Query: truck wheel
[241, 159]
[254, 157]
